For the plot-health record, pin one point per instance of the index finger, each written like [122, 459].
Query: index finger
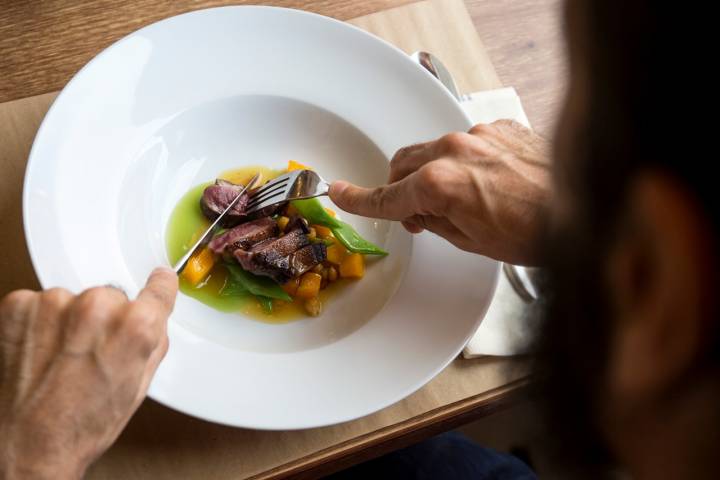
[160, 291]
[392, 202]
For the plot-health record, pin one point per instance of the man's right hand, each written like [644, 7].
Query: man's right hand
[487, 191]
[73, 369]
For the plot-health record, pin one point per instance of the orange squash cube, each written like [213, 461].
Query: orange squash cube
[199, 266]
[353, 266]
[293, 165]
[323, 232]
[336, 253]
[309, 285]
[291, 286]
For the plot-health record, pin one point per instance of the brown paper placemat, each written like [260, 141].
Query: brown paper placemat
[160, 443]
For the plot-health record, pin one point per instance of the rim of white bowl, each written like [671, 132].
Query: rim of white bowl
[402, 57]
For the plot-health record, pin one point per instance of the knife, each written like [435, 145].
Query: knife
[438, 70]
[180, 265]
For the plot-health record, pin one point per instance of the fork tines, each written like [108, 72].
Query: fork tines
[275, 189]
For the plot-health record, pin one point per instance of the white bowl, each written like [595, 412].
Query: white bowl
[181, 100]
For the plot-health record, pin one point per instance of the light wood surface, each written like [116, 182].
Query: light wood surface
[524, 39]
[160, 443]
[44, 42]
[444, 28]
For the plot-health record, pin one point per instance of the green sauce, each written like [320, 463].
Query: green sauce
[186, 225]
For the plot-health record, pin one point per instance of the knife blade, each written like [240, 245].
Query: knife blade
[180, 265]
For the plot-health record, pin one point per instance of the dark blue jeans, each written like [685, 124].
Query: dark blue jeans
[450, 456]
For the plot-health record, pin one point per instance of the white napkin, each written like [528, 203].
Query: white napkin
[504, 331]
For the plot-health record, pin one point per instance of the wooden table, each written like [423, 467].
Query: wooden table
[43, 43]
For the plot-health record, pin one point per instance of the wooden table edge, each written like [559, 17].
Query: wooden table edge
[400, 435]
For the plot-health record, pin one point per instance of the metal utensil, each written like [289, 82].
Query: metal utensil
[519, 277]
[438, 70]
[211, 230]
[295, 185]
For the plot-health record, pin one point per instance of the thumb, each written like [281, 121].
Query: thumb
[393, 201]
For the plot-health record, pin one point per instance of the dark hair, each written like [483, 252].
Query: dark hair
[635, 117]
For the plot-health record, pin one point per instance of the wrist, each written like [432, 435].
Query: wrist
[39, 469]
[35, 463]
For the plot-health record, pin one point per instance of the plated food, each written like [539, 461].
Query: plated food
[136, 132]
[275, 264]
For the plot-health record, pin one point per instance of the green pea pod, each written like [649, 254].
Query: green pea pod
[352, 240]
[313, 211]
[266, 303]
[233, 288]
[257, 285]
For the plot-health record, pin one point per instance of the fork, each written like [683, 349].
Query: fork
[205, 237]
[295, 185]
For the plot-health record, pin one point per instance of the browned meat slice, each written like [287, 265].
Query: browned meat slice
[277, 268]
[272, 257]
[282, 269]
[283, 246]
[216, 198]
[244, 236]
[269, 250]
[306, 258]
[295, 222]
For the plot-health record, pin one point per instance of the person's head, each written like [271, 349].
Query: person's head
[631, 337]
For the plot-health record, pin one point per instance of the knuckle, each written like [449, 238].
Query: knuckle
[160, 297]
[480, 129]
[439, 184]
[55, 298]
[401, 153]
[14, 299]
[433, 172]
[453, 142]
[432, 179]
[399, 161]
[95, 300]
[141, 337]
[139, 329]
[509, 123]
[378, 198]
[511, 128]
[15, 310]
[406, 152]
[81, 325]
[427, 175]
